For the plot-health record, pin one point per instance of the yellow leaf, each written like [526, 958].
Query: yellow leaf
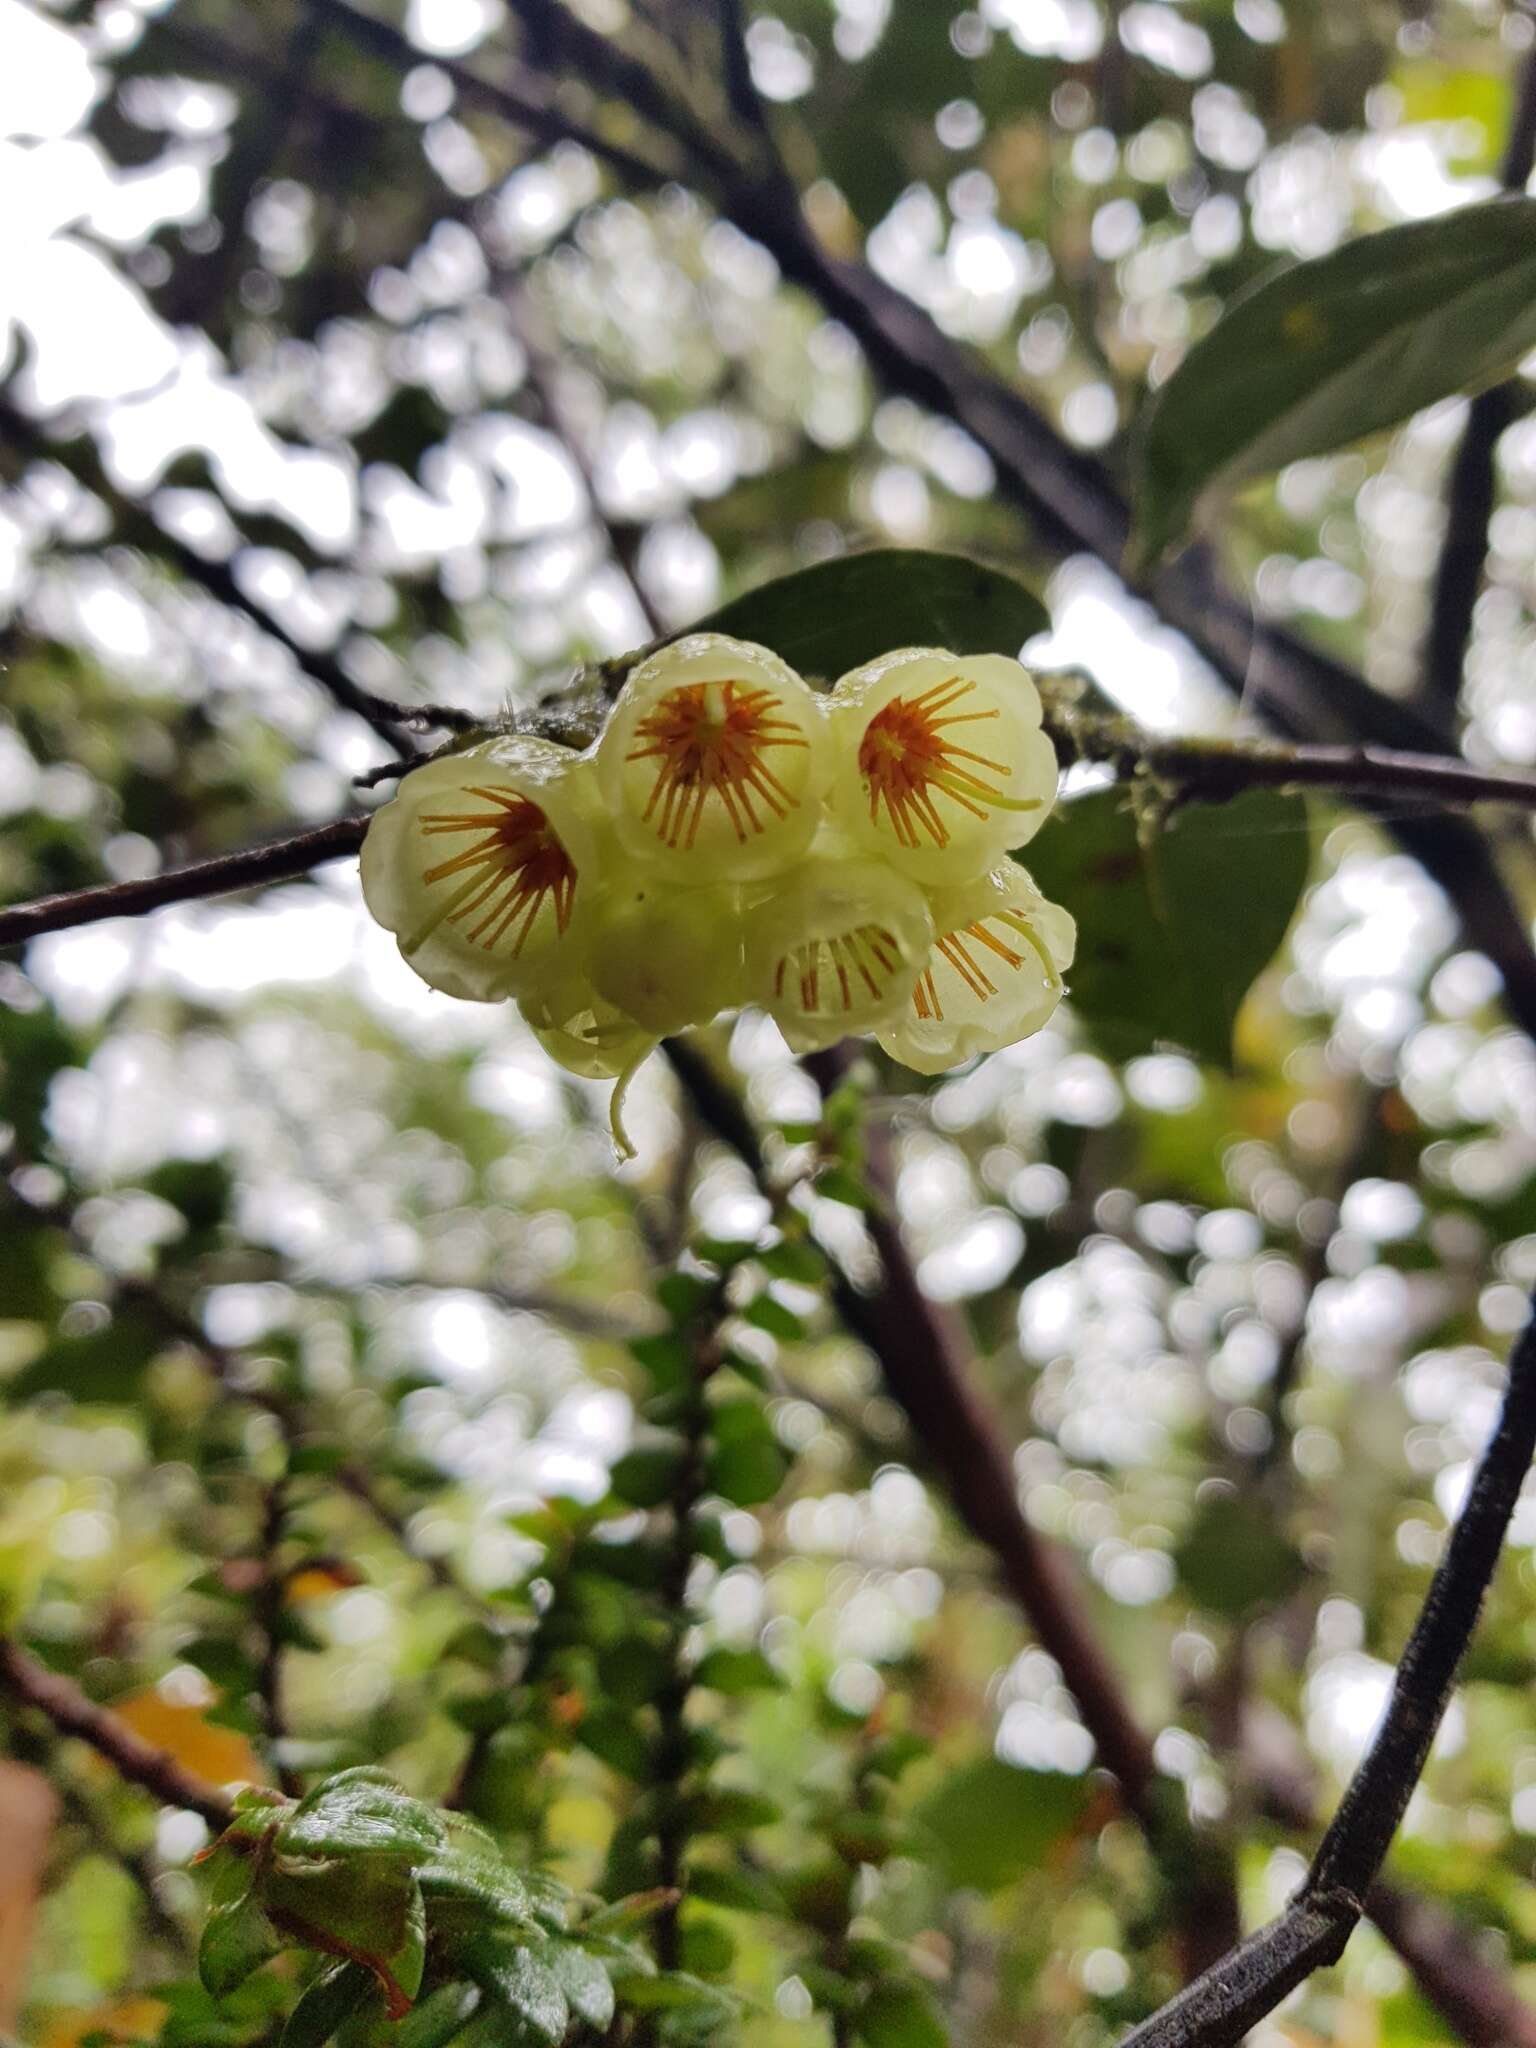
[130, 2019]
[181, 1726]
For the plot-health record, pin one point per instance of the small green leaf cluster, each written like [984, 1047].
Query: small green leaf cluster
[735, 837]
[430, 1934]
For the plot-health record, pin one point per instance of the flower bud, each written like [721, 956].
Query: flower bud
[994, 975]
[835, 948]
[479, 863]
[940, 763]
[713, 763]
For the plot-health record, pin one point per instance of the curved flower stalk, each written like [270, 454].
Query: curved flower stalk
[713, 763]
[994, 975]
[835, 949]
[941, 763]
[480, 864]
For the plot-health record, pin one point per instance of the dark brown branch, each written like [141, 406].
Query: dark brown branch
[516, 95]
[1470, 494]
[136, 526]
[71, 1713]
[277, 861]
[1213, 770]
[1219, 2008]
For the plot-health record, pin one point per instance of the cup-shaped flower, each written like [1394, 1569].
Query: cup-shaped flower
[835, 948]
[994, 975]
[940, 761]
[583, 1033]
[713, 763]
[666, 955]
[479, 865]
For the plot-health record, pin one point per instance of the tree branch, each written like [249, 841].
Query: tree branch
[1219, 2007]
[68, 1708]
[274, 862]
[1470, 493]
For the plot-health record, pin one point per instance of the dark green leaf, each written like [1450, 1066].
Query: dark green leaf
[832, 617]
[646, 1475]
[1171, 937]
[333, 1997]
[989, 1823]
[1321, 353]
[747, 1463]
[897, 2015]
[613, 1737]
[105, 1364]
[727, 1811]
[434, 2022]
[1235, 1557]
[237, 1939]
[740, 1890]
[361, 1814]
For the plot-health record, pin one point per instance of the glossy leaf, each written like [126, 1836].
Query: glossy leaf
[1172, 936]
[361, 1813]
[830, 618]
[1321, 353]
[588, 1990]
[332, 1998]
[525, 1984]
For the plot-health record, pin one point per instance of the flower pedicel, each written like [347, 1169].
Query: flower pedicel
[839, 860]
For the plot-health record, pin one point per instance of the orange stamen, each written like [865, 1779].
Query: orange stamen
[712, 745]
[515, 867]
[868, 954]
[970, 971]
[907, 762]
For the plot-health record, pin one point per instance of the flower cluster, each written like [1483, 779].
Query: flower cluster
[735, 837]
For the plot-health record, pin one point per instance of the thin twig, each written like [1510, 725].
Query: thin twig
[1219, 2007]
[277, 861]
[71, 1713]
[1470, 493]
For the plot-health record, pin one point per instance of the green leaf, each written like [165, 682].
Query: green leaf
[646, 1475]
[770, 1314]
[897, 2015]
[832, 617]
[737, 1671]
[332, 1998]
[613, 1737]
[727, 1811]
[747, 1463]
[237, 1939]
[841, 1184]
[437, 2019]
[360, 1813]
[369, 1908]
[739, 1890]
[524, 1983]
[989, 1823]
[1234, 1557]
[1321, 353]
[107, 1364]
[588, 1991]
[1172, 936]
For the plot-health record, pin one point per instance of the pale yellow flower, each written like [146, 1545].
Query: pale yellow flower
[940, 765]
[481, 865]
[994, 974]
[713, 763]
